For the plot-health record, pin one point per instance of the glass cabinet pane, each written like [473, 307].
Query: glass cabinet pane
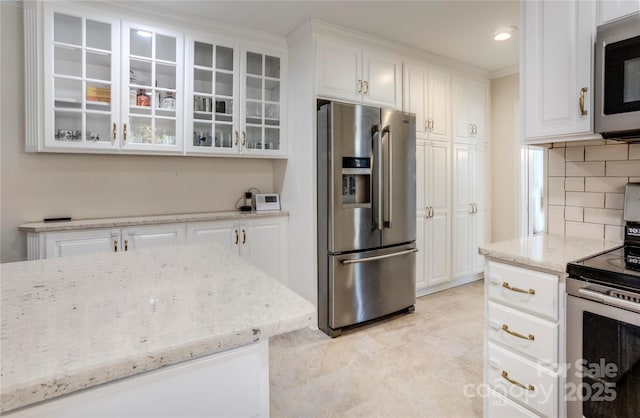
[224, 136]
[203, 54]
[98, 35]
[140, 43]
[272, 66]
[166, 48]
[98, 66]
[224, 58]
[67, 29]
[68, 126]
[254, 63]
[202, 135]
[67, 61]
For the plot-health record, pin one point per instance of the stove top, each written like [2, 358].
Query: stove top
[610, 268]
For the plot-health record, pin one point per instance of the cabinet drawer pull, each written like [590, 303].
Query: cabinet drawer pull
[126, 245]
[515, 289]
[237, 237]
[505, 376]
[244, 236]
[583, 112]
[505, 328]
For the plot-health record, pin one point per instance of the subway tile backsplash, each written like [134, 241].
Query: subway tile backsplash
[585, 193]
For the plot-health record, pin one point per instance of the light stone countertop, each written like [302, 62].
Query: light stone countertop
[77, 224]
[71, 323]
[549, 252]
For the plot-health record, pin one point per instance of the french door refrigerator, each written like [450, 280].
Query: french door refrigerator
[366, 214]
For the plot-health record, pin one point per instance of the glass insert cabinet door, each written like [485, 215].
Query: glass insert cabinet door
[152, 94]
[212, 85]
[81, 82]
[262, 101]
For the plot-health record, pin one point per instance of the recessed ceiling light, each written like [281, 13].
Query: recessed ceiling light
[144, 34]
[503, 34]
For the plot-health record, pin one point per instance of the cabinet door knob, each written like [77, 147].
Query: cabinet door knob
[124, 132]
[359, 86]
[426, 124]
[115, 246]
[583, 111]
[237, 237]
[244, 138]
[126, 245]
[115, 130]
[237, 137]
[366, 87]
[431, 125]
[244, 236]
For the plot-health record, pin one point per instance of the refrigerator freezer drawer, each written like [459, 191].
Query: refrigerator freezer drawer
[370, 284]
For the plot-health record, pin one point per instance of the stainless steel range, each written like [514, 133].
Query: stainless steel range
[603, 326]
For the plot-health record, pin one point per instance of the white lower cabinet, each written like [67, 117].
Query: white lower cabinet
[233, 383]
[70, 243]
[261, 241]
[523, 342]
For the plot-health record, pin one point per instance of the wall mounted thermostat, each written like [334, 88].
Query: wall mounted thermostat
[268, 201]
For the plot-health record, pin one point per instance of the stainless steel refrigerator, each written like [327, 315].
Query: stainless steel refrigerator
[366, 214]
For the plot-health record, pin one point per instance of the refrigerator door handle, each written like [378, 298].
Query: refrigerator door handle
[378, 257]
[377, 150]
[389, 169]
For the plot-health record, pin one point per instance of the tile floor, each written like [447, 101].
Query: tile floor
[414, 365]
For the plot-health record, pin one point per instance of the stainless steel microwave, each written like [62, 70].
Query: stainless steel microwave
[617, 79]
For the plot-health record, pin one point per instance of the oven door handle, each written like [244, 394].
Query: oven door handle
[610, 300]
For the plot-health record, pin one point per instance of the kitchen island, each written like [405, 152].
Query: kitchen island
[73, 323]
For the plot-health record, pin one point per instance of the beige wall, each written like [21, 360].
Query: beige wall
[586, 181]
[505, 158]
[35, 186]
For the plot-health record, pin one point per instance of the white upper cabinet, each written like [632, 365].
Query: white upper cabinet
[263, 96]
[212, 104]
[235, 99]
[470, 109]
[105, 84]
[153, 96]
[427, 93]
[609, 10]
[81, 84]
[349, 72]
[557, 42]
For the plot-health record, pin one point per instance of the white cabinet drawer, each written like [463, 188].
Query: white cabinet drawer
[523, 380]
[500, 407]
[523, 332]
[522, 288]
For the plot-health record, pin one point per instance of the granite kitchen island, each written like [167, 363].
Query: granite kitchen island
[73, 323]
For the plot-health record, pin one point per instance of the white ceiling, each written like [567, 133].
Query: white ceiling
[460, 30]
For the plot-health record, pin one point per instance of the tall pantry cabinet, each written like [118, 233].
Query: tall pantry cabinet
[451, 162]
